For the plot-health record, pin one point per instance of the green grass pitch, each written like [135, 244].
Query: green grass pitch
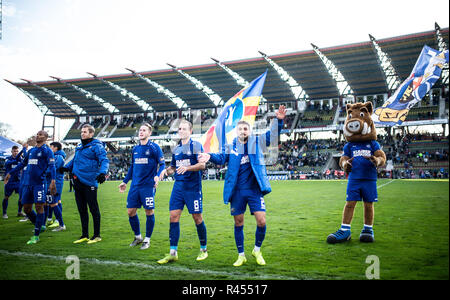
[411, 232]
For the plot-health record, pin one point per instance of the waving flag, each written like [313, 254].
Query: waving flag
[242, 106]
[424, 75]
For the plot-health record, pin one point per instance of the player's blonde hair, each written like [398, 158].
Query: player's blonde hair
[186, 122]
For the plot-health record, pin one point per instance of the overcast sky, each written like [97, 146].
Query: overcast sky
[67, 38]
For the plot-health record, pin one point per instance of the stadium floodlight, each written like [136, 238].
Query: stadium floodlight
[179, 102]
[58, 97]
[341, 83]
[43, 108]
[442, 47]
[296, 89]
[124, 92]
[390, 74]
[108, 106]
[215, 98]
[238, 78]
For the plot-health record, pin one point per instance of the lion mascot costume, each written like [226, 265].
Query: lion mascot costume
[362, 155]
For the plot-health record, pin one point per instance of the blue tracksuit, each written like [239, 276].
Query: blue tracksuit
[90, 160]
[233, 156]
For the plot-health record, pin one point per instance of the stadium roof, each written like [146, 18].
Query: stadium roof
[357, 62]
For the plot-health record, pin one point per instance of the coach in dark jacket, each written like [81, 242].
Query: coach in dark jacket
[89, 167]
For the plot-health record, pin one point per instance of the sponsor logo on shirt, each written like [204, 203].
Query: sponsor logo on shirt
[183, 163]
[33, 161]
[362, 152]
[141, 161]
[245, 160]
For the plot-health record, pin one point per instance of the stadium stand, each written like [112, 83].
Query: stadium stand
[413, 155]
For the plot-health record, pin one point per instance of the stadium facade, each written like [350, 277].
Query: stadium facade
[314, 84]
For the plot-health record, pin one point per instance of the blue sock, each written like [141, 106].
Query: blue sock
[32, 216]
[40, 220]
[174, 235]
[20, 205]
[135, 225]
[201, 232]
[4, 205]
[239, 238]
[46, 209]
[50, 212]
[149, 226]
[58, 215]
[260, 235]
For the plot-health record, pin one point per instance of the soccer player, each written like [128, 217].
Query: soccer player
[37, 160]
[246, 182]
[54, 202]
[187, 190]
[144, 175]
[14, 183]
[89, 168]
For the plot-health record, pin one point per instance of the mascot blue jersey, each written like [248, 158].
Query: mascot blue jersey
[362, 168]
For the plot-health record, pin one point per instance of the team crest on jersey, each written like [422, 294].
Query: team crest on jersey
[39, 154]
[147, 152]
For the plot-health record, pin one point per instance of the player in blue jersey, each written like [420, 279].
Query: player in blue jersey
[187, 190]
[37, 160]
[14, 182]
[246, 181]
[147, 163]
[54, 202]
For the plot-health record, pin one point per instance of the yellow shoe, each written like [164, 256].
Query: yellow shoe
[80, 240]
[240, 261]
[94, 240]
[202, 255]
[168, 258]
[259, 258]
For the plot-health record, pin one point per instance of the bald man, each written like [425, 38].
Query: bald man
[37, 160]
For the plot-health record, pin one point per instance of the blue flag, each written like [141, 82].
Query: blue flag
[424, 75]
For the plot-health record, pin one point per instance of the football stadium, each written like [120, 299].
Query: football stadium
[318, 89]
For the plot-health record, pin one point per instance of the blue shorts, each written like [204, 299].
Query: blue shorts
[141, 196]
[50, 199]
[365, 190]
[33, 194]
[240, 199]
[193, 199]
[11, 187]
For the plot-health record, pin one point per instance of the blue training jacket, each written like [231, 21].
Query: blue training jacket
[89, 161]
[230, 155]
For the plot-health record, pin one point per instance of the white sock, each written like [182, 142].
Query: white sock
[147, 240]
[173, 252]
[344, 229]
[256, 249]
[242, 254]
[369, 226]
[138, 236]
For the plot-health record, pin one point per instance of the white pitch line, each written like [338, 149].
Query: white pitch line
[147, 266]
[380, 186]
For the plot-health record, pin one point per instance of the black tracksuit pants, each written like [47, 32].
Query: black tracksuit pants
[87, 196]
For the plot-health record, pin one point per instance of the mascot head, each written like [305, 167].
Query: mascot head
[358, 126]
